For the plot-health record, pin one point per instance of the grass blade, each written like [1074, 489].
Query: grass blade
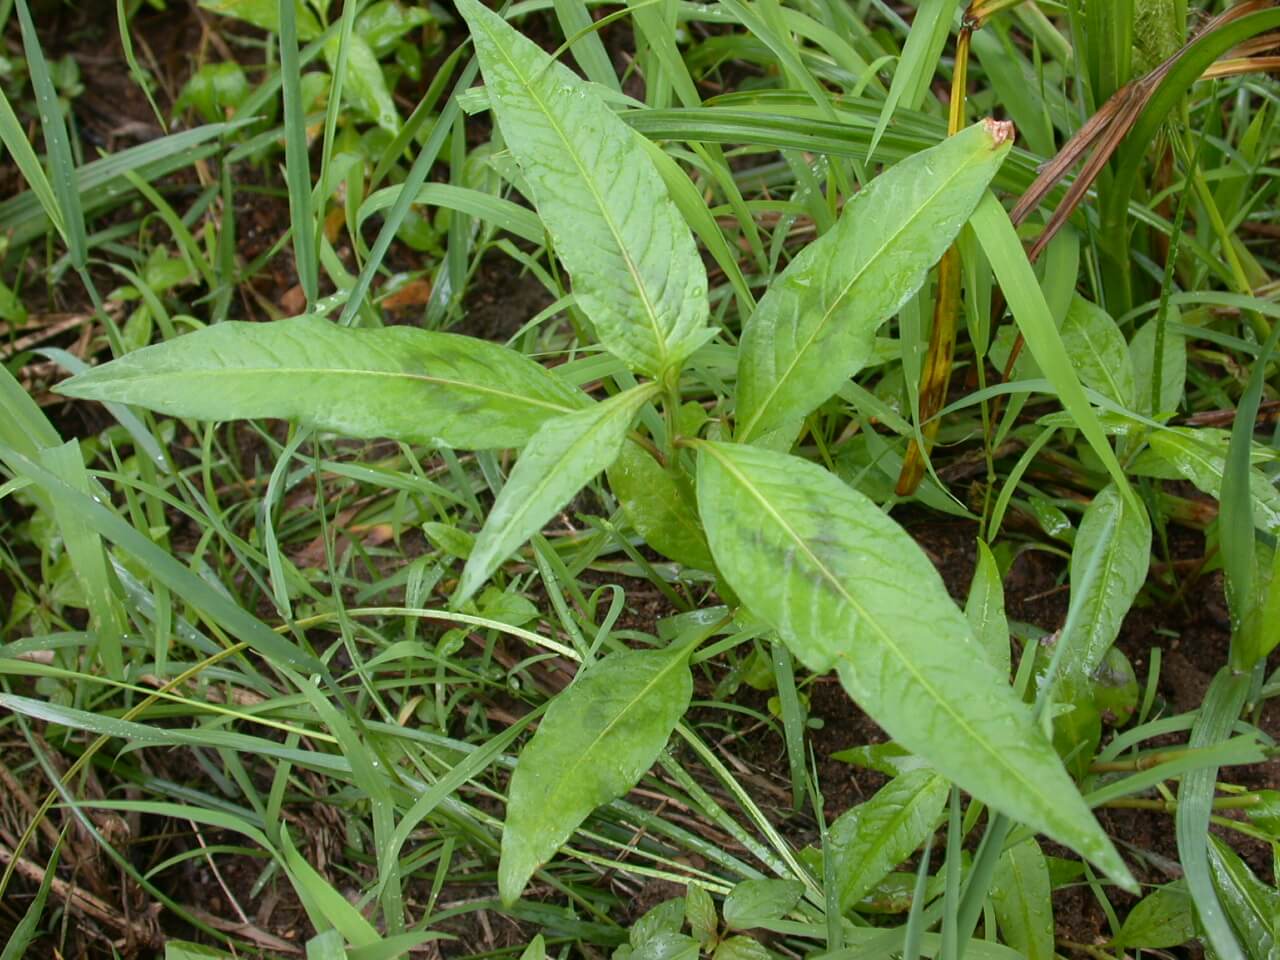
[296, 162]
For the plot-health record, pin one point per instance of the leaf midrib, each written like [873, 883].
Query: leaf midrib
[531, 499]
[569, 774]
[314, 372]
[1116, 393]
[1110, 557]
[826, 316]
[886, 834]
[897, 652]
[651, 315]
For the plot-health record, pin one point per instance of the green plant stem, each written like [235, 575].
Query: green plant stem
[1243, 802]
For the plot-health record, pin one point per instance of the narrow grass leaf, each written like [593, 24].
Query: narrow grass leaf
[14, 137]
[1009, 261]
[297, 163]
[22, 935]
[816, 325]
[139, 735]
[399, 382]
[918, 64]
[636, 271]
[595, 742]
[23, 425]
[325, 906]
[56, 143]
[588, 49]
[99, 181]
[1020, 894]
[559, 460]
[164, 567]
[1218, 714]
[1235, 530]
[845, 586]
[108, 622]
[871, 839]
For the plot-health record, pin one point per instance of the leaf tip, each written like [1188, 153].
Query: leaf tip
[513, 875]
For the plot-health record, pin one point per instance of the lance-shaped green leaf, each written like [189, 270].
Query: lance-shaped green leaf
[636, 271]
[984, 609]
[1109, 562]
[1252, 907]
[1200, 455]
[868, 841]
[1164, 918]
[558, 462]
[1173, 367]
[398, 382]
[595, 742]
[265, 14]
[1020, 893]
[844, 585]
[653, 501]
[1096, 348]
[816, 326]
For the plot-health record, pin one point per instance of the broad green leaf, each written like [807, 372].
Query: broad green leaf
[656, 508]
[327, 946]
[755, 902]
[844, 585]
[1020, 893]
[662, 918]
[868, 841]
[1115, 688]
[559, 461]
[383, 23]
[700, 914]
[816, 325]
[398, 382]
[1201, 457]
[1162, 919]
[364, 83]
[595, 742]
[984, 609]
[1109, 564]
[266, 14]
[1252, 907]
[536, 950]
[667, 946]
[636, 271]
[739, 947]
[1173, 369]
[1096, 348]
